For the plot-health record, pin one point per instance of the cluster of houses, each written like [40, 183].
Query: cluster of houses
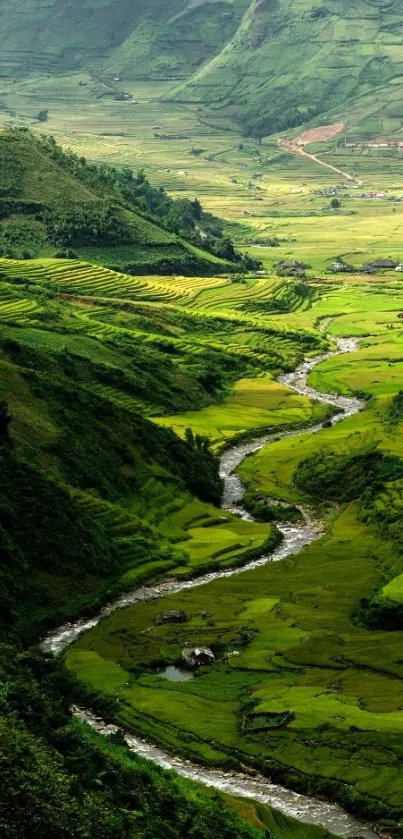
[341, 267]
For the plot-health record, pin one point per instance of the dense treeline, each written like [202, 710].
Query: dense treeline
[329, 475]
[362, 477]
[87, 224]
[395, 411]
[276, 119]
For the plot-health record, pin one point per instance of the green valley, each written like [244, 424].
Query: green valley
[310, 667]
[201, 408]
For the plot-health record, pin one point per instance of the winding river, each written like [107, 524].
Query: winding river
[295, 537]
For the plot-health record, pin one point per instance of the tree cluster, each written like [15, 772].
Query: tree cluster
[87, 224]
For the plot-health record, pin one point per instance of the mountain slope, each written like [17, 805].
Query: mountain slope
[53, 203]
[164, 45]
[269, 64]
[166, 36]
[290, 61]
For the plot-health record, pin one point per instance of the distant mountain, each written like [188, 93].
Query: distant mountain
[137, 37]
[293, 61]
[270, 64]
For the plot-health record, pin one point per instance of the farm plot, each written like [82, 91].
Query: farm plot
[259, 403]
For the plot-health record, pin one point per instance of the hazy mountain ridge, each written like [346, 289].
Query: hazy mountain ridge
[172, 37]
[270, 64]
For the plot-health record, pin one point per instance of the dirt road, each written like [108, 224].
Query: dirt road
[293, 147]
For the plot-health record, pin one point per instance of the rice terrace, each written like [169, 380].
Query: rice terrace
[201, 420]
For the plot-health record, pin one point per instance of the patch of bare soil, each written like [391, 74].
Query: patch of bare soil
[318, 135]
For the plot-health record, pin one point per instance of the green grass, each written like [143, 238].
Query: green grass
[394, 590]
[374, 370]
[255, 403]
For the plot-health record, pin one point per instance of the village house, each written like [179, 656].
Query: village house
[197, 656]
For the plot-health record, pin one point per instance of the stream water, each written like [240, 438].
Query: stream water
[295, 537]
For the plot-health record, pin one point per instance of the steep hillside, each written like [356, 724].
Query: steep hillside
[55, 203]
[291, 61]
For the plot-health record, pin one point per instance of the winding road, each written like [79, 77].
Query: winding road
[295, 538]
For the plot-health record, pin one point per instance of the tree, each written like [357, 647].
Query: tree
[42, 116]
[335, 203]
